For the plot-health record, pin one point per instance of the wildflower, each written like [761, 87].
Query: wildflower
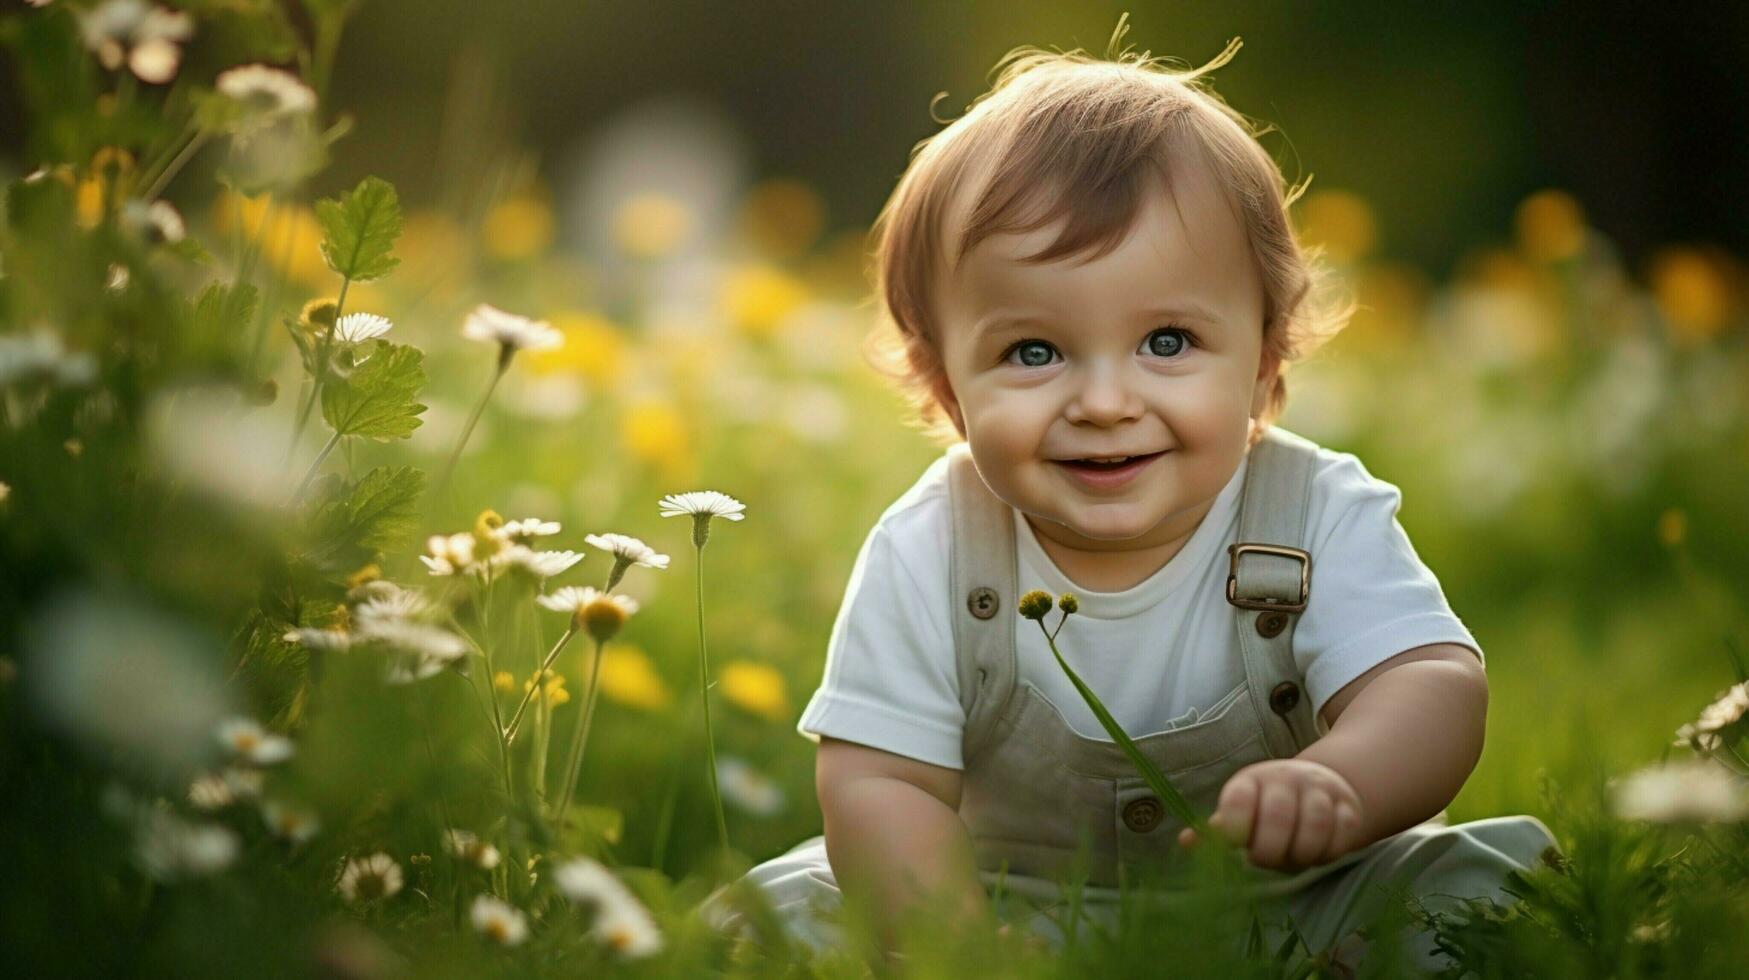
[393, 602]
[527, 529]
[158, 223]
[504, 681]
[369, 879]
[552, 686]
[628, 676]
[627, 551]
[498, 921]
[315, 638]
[1035, 604]
[1068, 603]
[597, 613]
[1727, 709]
[318, 315]
[289, 823]
[468, 847]
[748, 788]
[266, 92]
[422, 649]
[40, 355]
[1693, 791]
[449, 555]
[540, 564]
[168, 848]
[210, 792]
[249, 742]
[702, 505]
[128, 32]
[757, 688]
[509, 331]
[621, 921]
[356, 328]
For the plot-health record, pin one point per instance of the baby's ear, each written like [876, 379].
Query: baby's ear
[950, 406]
[1268, 368]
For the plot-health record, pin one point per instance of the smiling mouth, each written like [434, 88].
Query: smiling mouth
[1106, 463]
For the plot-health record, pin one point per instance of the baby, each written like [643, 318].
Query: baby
[1093, 291]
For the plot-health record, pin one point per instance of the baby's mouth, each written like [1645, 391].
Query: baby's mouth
[1107, 463]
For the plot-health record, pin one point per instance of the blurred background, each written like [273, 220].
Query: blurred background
[1541, 212]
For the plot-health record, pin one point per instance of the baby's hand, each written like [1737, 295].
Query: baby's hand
[1293, 813]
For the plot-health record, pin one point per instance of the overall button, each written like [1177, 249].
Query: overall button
[1143, 814]
[983, 602]
[1270, 624]
[1285, 697]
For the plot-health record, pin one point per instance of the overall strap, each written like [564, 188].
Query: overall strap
[1269, 581]
[982, 576]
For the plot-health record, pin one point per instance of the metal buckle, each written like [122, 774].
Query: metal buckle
[1305, 560]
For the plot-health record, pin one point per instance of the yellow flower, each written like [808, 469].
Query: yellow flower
[88, 202]
[783, 217]
[1342, 222]
[1551, 227]
[1692, 293]
[289, 236]
[554, 688]
[518, 228]
[504, 681]
[629, 677]
[650, 226]
[757, 688]
[655, 432]
[756, 298]
[594, 347]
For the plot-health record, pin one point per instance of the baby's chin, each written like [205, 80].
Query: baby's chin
[1104, 526]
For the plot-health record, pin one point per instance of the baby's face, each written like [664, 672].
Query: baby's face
[1154, 349]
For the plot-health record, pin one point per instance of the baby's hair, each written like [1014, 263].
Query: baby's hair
[1084, 134]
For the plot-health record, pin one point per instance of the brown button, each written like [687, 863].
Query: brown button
[983, 602]
[1142, 814]
[1285, 696]
[1270, 624]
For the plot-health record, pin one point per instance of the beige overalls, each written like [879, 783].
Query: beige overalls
[1035, 791]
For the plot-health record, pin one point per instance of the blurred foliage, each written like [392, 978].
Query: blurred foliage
[184, 539]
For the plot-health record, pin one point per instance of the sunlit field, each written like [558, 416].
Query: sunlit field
[364, 557]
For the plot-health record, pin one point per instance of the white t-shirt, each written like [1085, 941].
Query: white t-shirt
[1157, 654]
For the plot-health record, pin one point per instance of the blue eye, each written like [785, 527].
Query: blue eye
[1168, 342]
[1030, 353]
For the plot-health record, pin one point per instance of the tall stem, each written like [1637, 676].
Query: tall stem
[504, 356]
[310, 474]
[580, 738]
[704, 691]
[321, 370]
[552, 655]
[182, 158]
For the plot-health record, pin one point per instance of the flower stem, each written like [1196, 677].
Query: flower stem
[580, 739]
[704, 690]
[321, 370]
[188, 152]
[552, 655]
[473, 419]
[491, 696]
[315, 465]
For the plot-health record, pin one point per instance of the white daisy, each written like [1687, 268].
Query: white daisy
[621, 921]
[40, 355]
[209, 791]
[421, 649]
[702, 505]
[396, 604]
[527, 529]
[449, 555]
[245, 784]
[289, 823]
[158, 223]
[627, 551]
[464, 846]
[498, 921]
[266, 91]
[368, 879]
[169, 848]
[1726, 711]
[748, 788]
[540, 564]
[253, 744]
[314, 638]
[1691, 791]
[509, 331]
[600, 614]
[142, 37]
[356, 328]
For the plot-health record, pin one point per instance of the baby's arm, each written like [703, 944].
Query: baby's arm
[894, 834]
[1403, 738]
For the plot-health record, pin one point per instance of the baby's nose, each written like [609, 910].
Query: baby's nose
[1106, 395]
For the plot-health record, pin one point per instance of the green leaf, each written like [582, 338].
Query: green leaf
[346, 524]
[377, 399]
[360, 229]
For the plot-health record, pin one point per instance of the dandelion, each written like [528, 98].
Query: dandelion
[748, 788]
[626, 551]
[449, 555]
[369, 879]
[628, 676]
[250, 742]
[169, 848]
[470, 849]
[1705, 733]
[1691, 791]
[498, 920]
[511, 333]
[157, 223]
[142, 37]
[289, 823]
[356, 328]
[757, 688]
[266, 92]
[621, 921]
